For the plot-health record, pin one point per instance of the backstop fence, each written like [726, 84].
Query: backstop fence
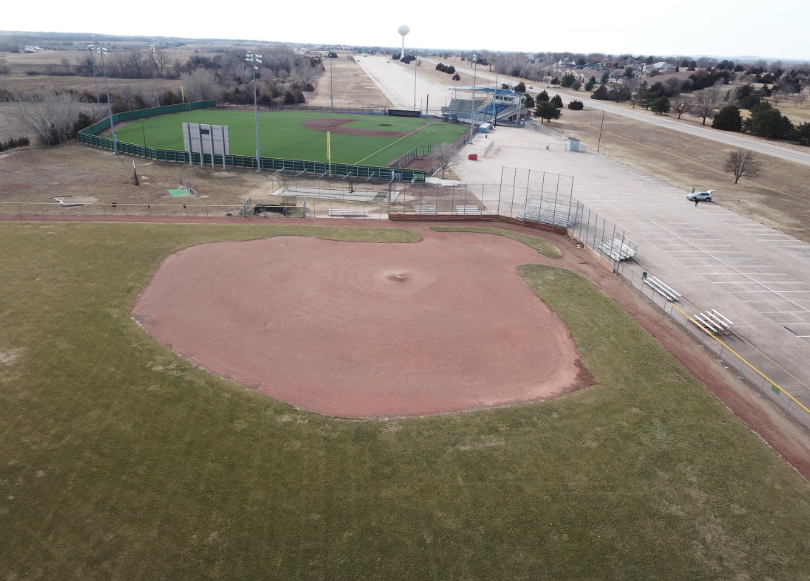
[89, 136]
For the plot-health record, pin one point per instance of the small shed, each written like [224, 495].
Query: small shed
[485, 128]
[571, 144]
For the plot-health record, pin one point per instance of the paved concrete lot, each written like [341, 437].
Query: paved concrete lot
[397, 84]
[756, 276]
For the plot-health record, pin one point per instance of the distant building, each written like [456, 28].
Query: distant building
[32, 49]
[661, 67]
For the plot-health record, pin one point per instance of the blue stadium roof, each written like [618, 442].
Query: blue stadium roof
[489, 90]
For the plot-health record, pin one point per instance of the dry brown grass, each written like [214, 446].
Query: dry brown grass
[39, 175]
[352, 86]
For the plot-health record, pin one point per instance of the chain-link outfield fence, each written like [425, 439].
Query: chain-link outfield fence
[758, 371]
[89, 136]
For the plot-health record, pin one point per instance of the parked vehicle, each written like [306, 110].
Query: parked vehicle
[700, 196]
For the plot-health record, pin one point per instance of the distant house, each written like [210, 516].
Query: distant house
[32, 49]
[661, 67]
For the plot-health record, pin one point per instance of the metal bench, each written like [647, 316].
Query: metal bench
[657, 285]
[468, 210]
[344, 213]
[714, 322]
[617, 250]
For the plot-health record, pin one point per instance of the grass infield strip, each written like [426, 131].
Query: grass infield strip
[542, 246]
[120, 460]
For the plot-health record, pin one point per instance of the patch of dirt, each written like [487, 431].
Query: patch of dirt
[335, 126]
[370, 330]
[9, 356]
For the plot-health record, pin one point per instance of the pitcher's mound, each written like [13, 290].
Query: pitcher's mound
[365, 330]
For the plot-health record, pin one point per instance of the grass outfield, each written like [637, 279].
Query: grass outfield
[121, 460]
[282, 136]
[542, 246]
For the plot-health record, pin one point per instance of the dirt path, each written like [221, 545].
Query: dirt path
[336, 126]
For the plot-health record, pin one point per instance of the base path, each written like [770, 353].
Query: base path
[336, 126]
[365, 330]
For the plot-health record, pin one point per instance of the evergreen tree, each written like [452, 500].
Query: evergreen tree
[728, 119]
[660, 105]
[768, 122]
[547, 110]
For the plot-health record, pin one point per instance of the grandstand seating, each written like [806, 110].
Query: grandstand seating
[461, 107]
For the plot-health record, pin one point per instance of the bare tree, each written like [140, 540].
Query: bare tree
[201, 85]
[800, 96]
[48, 114]
[161, 60]
[706, 102]
[445, 155]
[680, 104]
[743, 163]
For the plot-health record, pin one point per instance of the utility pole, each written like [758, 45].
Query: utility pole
[253, 59]
[598, 143]
[154, 72]
[102, 52]
[472, 104]
[93, 62]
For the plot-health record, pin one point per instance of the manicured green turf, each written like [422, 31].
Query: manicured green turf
[282, 136]
[542, 246]
[120, 460]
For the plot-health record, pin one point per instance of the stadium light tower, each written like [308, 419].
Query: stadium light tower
[102, 51]
[415, 61]
[331, 84]
[93, 62]
[154, 72]
[403, 30]
[472, 105]
[253, 59]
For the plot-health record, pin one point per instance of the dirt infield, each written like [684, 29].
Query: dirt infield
[365, 330]
[335, 126]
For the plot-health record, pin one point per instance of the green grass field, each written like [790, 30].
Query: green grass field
[120, 460]
[282, 136]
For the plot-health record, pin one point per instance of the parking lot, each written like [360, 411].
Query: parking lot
[754, 275]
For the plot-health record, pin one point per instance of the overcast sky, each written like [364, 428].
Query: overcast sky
[688, 27]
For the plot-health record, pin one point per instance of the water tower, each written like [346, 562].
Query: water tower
[403, 30]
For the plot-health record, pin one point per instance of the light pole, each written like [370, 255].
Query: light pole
[415, 60]
[93, 62]
[472, 104]
[253, 59]
[331, 84]
[495, 105]
[102, 51]
[154, 72]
